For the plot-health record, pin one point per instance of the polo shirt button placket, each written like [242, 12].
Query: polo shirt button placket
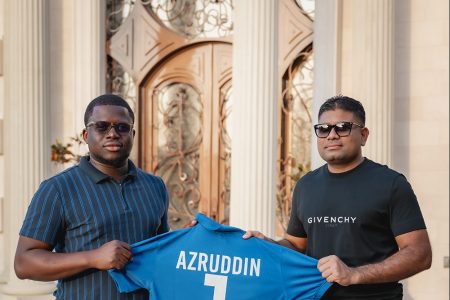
[122, 196]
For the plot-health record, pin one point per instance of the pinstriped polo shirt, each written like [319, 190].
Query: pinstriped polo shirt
[81, 209]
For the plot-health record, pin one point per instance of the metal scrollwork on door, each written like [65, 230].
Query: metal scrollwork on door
[179, 137]
[295, 160]
[225, 153]
[195, 18]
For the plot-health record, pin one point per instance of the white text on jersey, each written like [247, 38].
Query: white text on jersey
[216, 263]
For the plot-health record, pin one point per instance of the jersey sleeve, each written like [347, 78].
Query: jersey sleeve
[302, 279]
[405, 211]
[123, 282]
[45, 215]
[139, 272]
[295, 226]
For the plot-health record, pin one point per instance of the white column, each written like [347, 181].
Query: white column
[254, 140]
[373, 52]
[90, 55]
[327, 45]
[27, 147]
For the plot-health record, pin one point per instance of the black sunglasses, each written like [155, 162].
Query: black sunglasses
[104, 127]
[342, 129]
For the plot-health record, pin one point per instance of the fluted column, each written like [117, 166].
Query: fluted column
[254, 140]
[90, 54]
[327, 61]
[373, 53]
[27, 147]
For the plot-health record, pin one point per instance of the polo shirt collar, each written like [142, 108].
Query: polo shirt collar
[98, 176]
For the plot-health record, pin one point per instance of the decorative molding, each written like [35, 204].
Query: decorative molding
[295, 33]
[2, 214]
[1, 57]
[2, 136]
[142, 42]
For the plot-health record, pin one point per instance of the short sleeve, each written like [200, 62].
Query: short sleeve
[295, 226]
[123, 282]
[302, 279]
[45, 215]
[405, 211]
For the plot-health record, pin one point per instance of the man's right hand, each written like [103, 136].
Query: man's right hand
[35, 260]
[111, 255]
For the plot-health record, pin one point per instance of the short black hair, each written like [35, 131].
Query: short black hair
[106, 99]
[344, 103]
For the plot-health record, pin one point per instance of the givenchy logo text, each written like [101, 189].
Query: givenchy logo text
[332, 220]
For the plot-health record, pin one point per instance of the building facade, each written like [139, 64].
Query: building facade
[243, 86]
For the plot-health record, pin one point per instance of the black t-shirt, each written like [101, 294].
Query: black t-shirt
[356, 216]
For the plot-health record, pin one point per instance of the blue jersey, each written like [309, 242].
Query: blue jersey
[211, 261]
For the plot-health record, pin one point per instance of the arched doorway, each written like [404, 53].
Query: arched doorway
[184, 111]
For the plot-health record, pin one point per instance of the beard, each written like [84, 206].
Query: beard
[116, 162]
[340, 157]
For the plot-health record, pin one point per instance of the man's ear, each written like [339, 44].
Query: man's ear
[134, 133]
[84, 133]
[364, 135]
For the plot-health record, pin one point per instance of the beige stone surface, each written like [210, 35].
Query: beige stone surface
[420, 125]
[421, 122]
[422, 130]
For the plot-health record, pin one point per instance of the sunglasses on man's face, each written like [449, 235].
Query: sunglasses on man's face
[342, 129]
[104, 127]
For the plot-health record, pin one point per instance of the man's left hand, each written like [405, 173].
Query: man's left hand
[192, 223]
[333, 269]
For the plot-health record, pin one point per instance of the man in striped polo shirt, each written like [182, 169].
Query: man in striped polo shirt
[80, 222]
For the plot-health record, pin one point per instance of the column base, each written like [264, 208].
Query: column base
[7, 297]
[26, 288]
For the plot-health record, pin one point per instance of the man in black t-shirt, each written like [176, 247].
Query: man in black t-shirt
[359, 218]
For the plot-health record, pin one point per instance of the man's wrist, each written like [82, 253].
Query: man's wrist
[89, 259]
[357, 275]
[270, 240]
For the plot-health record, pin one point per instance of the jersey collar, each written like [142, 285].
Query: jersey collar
[212, 225]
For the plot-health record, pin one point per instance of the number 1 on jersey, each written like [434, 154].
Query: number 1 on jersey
[219, 283]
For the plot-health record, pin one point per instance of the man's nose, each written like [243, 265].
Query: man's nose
[333, 135]
[112, 132]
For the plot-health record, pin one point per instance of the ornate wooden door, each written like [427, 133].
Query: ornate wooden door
[177, 54]
[184, 104]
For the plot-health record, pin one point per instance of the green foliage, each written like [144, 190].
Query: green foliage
[62, 154]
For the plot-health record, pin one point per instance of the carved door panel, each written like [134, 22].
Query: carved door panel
[185, 104]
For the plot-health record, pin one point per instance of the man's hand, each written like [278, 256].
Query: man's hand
[112, 255]
[257, 234]
[35, 259]
[414, 256]
[192, 223]
[335, 270]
